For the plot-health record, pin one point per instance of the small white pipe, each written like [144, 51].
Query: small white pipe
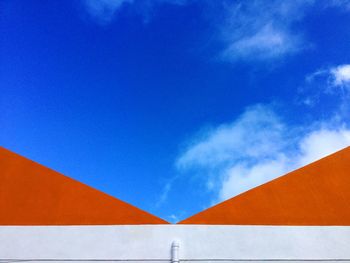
[175, 247]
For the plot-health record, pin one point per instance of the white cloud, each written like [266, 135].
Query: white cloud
[266, 30]
[341, 76]
[227, 143]
[268, 42]
[261, 29]
[165, 193]
[258, 147]
[322, 142]
[250, 30]
[103, 11]
[328, 81]
[241, 177]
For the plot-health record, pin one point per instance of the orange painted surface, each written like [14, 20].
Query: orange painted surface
[31, 194]
[317, 194]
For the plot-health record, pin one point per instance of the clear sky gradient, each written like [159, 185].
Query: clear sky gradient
[174, 105]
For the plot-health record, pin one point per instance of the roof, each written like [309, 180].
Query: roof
[31, 194]
[317, 194]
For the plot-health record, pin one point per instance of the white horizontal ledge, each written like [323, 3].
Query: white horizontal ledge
[197, 243]
[184, 260]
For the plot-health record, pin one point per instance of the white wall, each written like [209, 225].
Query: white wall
[153, 242]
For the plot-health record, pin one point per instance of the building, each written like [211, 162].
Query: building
[301, 216]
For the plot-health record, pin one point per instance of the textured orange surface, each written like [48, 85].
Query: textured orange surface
[31, 194]
[317, 194]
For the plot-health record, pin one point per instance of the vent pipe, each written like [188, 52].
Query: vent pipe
[175, 247]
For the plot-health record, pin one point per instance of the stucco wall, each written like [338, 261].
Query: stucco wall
[153, 243]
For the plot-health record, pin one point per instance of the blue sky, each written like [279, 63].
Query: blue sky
[174, 105]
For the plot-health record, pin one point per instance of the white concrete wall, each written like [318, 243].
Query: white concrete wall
[153, 243]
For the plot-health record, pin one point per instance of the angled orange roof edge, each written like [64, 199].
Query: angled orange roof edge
[32, 194]
[310, 195]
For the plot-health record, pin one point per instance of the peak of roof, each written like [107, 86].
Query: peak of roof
[31, 194]
[317, 194]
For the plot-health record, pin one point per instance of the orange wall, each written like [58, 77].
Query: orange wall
[317, 194]
[31, 194]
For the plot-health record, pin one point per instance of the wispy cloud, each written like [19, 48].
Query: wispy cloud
[344, 4]
[328, 81]
[165, 192]
[173, 218]
[257, 147]
[262, 30]
[335, 77]
[259, 29]
[254, 30]
[267, 43]
[103, 11]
